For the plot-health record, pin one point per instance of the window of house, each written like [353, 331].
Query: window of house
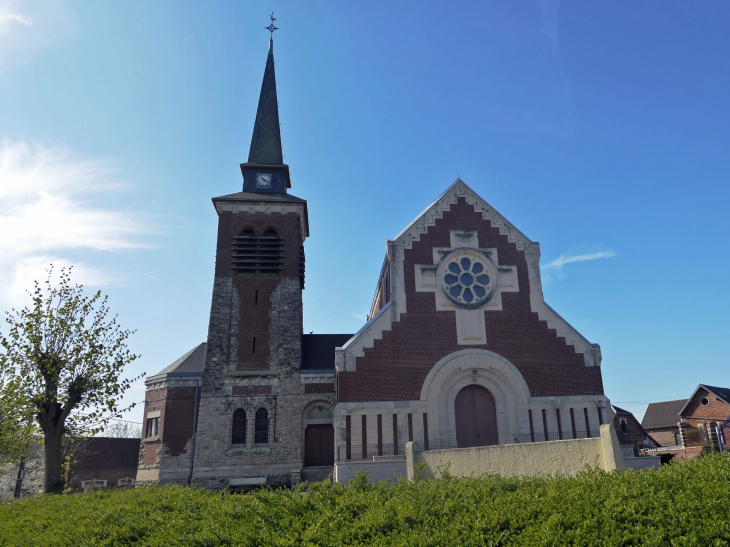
[704, 401]
[238, 435]
[623, 424]
[153, 427]
[261, 426]
[677, 439]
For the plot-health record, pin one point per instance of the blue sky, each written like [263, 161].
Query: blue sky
[600, 129]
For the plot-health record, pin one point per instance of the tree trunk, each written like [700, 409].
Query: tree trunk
[53, 481]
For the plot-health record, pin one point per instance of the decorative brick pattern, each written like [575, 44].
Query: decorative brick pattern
[550, 366]
[319, 388]
[251, 390]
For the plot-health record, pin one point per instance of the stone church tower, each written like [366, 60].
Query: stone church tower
[245, 388]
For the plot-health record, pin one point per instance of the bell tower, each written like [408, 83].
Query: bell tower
[254, 356]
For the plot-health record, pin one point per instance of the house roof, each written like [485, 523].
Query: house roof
[619, 410]
[318, 350]
[109, 453]
[190, 364]
[721, 393]
[663, 414]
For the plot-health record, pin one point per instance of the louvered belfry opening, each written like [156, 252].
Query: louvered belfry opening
[301, 265]
[263, 253]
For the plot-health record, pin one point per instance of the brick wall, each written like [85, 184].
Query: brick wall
[665, 437]
[423, 336]
[696, 414]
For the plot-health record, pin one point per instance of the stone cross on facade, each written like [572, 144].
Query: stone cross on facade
[468, 281]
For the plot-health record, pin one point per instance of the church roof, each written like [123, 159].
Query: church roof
[253, 196]
[266, 139]
[190, 364]
[664, 414]
[318, 350]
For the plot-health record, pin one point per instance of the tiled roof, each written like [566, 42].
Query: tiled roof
[252, 196]
[664, 414]
[619, 410]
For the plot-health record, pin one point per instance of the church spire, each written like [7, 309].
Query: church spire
[266, 139]
[265, 171]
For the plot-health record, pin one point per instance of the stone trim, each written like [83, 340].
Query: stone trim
[266, 207]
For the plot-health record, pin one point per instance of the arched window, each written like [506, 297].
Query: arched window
[262, 426]
[239, 427]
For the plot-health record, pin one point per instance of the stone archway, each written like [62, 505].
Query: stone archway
[475, 414]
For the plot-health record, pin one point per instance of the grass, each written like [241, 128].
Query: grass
[683, 504]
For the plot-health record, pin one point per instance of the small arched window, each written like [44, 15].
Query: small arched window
[238, 435]
[623, 424]
[262, 426]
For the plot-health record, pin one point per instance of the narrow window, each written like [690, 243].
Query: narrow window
[256, 298]
[395, 434]
[253, 347]
[532, 427]
[261, 426]
[544, 424]
[560, 426]
[600, 416]
[348, 433]
[677, 439]
[364, 437]
[153, 427]
[623, 424]
[572, 423]
[588, 426]
[410, 428]
[238, 435]
[380, 434]
[425, 431]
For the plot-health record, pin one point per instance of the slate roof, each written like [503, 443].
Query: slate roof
[109, 453]
[255, 196]
[318, 350]
[664, 414]
[619, 410]
[721, 393]
[190, 363]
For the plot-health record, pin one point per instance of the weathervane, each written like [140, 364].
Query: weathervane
[271, 28]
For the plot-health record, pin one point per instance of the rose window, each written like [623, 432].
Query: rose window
[466, 281]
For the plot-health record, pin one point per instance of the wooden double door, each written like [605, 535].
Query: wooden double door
[476, 417]
[319, 445]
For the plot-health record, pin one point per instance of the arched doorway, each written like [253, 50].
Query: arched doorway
[476, 417]
[319, 438]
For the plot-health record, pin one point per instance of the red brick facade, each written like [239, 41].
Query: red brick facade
[176, 406]
[395, 368]
[251, 390]
[319, 388]
[696, 414]
[254, 290]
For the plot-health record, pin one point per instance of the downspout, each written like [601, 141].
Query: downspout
[195, 429]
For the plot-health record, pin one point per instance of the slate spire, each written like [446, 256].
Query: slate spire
[266, 139]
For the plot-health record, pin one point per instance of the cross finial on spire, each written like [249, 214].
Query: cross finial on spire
[271, 28]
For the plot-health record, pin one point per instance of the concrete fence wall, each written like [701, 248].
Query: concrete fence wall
[527, 459]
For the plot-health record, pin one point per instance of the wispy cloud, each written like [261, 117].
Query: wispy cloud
[50, 206]
[26, 26]
[562, 260]
[553, 270]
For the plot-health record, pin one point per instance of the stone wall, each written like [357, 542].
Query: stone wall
[528, 459]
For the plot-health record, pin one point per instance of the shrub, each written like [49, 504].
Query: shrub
[679, 504]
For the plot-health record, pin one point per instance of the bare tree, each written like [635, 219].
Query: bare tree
[123, 430]
[63, 358]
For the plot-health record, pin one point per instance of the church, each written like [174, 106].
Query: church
[459, 350]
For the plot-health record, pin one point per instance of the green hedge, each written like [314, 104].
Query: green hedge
[680, 504]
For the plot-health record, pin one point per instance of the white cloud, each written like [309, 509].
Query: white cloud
[565, 259]
[554, 270]
[49, 206]
[27, 26]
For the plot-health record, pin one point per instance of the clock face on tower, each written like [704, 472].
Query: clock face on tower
[263, 180]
